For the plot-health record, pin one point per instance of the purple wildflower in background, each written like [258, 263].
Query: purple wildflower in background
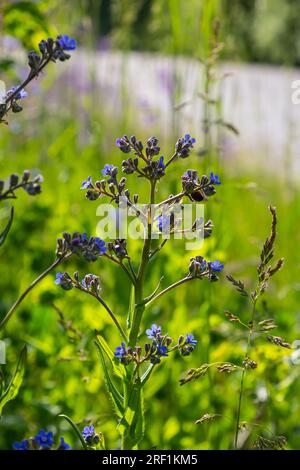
[88, 432]
[63, 445]
[216, 266]
[23, 445]
[44, 438]
[154, 331]
[67, 43]
[214, 179]
[87, 184]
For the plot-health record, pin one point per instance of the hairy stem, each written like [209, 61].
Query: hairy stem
[112, 316]
[139, 286]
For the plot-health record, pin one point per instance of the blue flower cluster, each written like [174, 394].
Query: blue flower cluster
[201, 268]
[154, 169]
[198, 189]
[184, 145]
[43, 440]
[160, 347]
[88, 247]
[90, 282]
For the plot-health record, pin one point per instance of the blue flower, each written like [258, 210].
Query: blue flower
[161, 350]
[67, 43]
[90, 248]
[64, 280]
[164, 223]
[161, 163]
[107, 169]
[20, 95]
[23, 445]
[154, 331]
[88, 432]
[121, 352]
[44, 438]
[190, 339]
[63, 445]
[189, 139]
[59, 277]
[124, 144]
[216, 266]
[214, 179]
[87, 184]
[184, 145]
[100, 244]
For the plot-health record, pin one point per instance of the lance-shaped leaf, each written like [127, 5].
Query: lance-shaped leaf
[114, 393]
[118, 369]
[132, 422]
[13, 388]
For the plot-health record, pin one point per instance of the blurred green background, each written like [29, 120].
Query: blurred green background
[66, 143]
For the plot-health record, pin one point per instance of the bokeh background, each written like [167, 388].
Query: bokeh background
[139, 70]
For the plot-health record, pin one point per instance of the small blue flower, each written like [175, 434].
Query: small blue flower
[216, 266]
[163, 223]
[190, 340]
[184, 145]
[161, 163]
[100, 244]
[121, 352]
[64, 280]
[88, 432]
[214, 179]
[154, 331]
[44, 438]
[87, 184]
[123, 144]
[107, 169]
[63, 445]
[58, 278]
[23, 445]
[161, 350]
[67, 43]
[21, 94]
[188, 138]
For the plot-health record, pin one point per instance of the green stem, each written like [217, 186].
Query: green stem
[32, 285]
[113, 317]
[243, 378]
[167, 289]
[139, 285]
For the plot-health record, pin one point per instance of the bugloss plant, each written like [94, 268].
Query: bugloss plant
[130, 366]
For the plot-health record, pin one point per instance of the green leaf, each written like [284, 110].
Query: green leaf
[4, 234]
[118, 369]
[76, 429]
[13, 389]
[114, 393]
[132, 422]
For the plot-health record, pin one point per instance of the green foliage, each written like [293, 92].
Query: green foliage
[14, 386]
